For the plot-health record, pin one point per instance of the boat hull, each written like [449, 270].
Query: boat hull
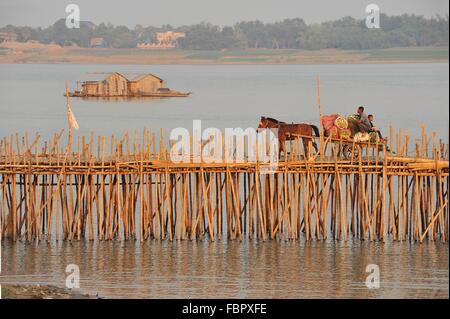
[165, 94]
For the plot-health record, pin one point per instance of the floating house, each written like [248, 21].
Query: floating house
[119, 85]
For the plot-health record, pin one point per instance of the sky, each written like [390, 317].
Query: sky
[221, 12]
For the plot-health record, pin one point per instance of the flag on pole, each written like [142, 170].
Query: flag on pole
[70, 116]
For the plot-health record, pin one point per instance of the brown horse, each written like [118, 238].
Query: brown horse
[288, 132]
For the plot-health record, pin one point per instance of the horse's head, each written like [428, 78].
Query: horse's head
[263, 122]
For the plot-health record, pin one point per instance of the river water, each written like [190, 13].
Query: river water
[401, 95]
[404, 96]
[248, 269]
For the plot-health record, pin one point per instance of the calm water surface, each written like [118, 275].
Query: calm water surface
[247, 269]
[404, 96]
[231, 96]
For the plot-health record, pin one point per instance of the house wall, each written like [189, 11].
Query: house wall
[114, 85]
[90, 88]
[148, 84]
[133, 87]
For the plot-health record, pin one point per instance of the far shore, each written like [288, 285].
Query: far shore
[15, 52]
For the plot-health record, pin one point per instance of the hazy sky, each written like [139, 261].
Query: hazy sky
[222, 12]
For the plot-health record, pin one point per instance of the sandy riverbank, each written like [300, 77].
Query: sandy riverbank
[15, 52]
[40, 292]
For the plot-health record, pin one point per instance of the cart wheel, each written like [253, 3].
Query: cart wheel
[348, 151]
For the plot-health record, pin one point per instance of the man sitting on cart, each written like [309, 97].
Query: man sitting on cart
[364, 123]
[377, 130]
[374, 128]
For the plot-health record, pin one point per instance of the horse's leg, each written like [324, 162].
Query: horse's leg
[314, 144]
[282, 145]
[306, 141]
[315, 147]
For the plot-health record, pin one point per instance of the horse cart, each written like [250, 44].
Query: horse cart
[351, 141]
[344, 143]
[352, 150]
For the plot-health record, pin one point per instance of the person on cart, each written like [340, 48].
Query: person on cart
[377, 130]
[364, 123]
[373, 127]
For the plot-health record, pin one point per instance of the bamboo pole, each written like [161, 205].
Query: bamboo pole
[129, 192]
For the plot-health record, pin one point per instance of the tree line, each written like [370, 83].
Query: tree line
[346, 33]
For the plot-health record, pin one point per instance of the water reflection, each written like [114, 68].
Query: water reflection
[234, 270]
[117, 99]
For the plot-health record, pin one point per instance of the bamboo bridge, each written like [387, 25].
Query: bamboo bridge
[127, 188]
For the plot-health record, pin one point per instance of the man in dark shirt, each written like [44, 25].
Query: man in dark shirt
[364, 123]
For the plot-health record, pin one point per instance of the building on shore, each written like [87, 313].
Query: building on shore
[164, 40]
[7, 37]
[98, 43]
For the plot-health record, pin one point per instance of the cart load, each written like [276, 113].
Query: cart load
[336, 126]
[345, 128]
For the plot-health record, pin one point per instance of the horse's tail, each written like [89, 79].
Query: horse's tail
[316, 130]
